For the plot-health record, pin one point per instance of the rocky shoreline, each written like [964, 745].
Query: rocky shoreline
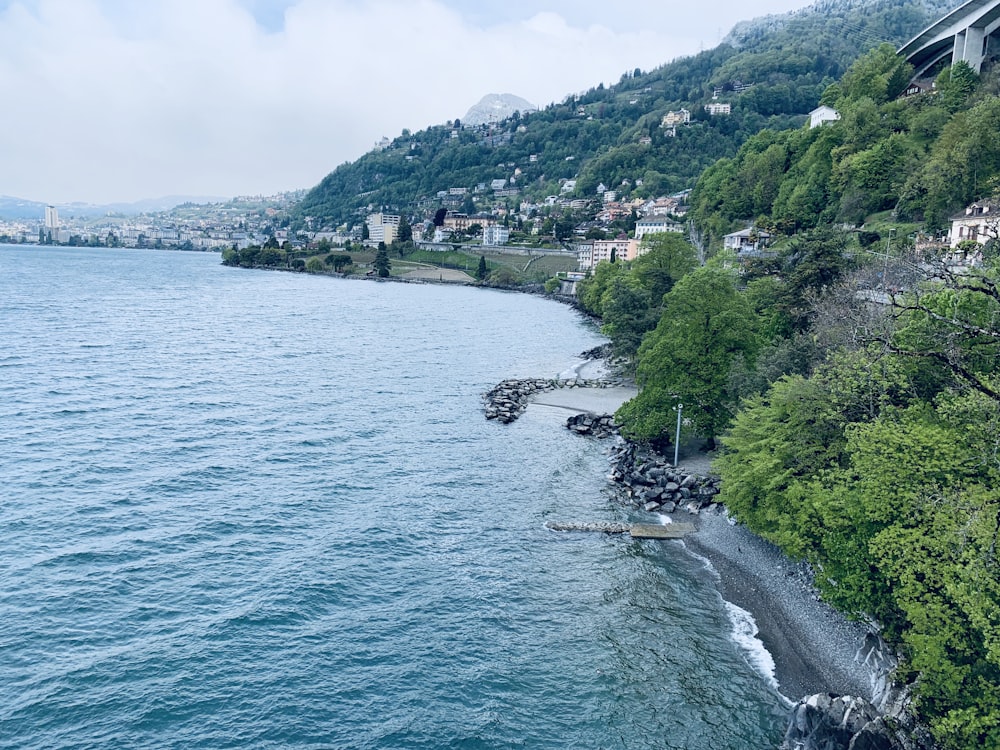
[508, 399]
[852, 702]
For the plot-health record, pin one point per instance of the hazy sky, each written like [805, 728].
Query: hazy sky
[114, 100]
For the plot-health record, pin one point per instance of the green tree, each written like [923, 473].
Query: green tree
[271, 256]
[705, 324]
[314, 265]
[590, 291]
[955, 85]
[382, 263]
[404, 232]
[880, 74]
[953, 323]
[481, 270]
[666, 257]
[338, 260]
[626, 315]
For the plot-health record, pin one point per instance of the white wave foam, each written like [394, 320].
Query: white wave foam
[573, 371]
[744, 633]
[705, 562]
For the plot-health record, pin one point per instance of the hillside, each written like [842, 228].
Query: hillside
[907, 155]
[771, 72]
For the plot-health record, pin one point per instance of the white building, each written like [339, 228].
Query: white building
[747, 242]
[822, 114]
[718, 108]
[495, 235]
[980, 223]
[655, 224]
[51, 218]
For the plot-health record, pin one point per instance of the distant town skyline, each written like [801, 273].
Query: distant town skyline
[111, 100]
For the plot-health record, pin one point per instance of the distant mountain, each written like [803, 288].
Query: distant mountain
[20, 208]
[497, 107]
[768, 75]
[167, 202]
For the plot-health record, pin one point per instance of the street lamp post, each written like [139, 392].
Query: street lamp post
[677, 440]
[885, 268]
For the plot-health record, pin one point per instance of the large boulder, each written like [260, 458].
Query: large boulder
[829, 722]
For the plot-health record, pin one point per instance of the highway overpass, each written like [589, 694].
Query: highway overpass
[967, 33]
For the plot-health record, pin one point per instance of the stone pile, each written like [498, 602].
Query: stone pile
[649, 481]
[828, 722]
[594, 425]
[508, 400]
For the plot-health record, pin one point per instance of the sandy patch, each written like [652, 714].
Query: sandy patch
[578, 400]
[449, 275]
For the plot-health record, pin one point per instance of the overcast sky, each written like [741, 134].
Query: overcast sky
[118, 100]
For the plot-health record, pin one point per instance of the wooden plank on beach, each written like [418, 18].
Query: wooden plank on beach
[661, 531]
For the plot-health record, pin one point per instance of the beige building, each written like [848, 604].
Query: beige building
[679, 117]
[382, 227]
[590, 254]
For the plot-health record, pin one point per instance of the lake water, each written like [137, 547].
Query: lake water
[264, 510]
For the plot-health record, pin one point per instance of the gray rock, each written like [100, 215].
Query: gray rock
[828, 722]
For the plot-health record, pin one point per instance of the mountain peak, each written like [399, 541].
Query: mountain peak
[494, 107]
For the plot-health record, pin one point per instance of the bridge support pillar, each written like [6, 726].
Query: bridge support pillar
[970, 45]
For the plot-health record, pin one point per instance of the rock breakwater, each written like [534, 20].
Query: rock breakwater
[507, 401]
[647, 480]
[594, 425]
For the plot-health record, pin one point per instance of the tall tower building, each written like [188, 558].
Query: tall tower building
[51, 218]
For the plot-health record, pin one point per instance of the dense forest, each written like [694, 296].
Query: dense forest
[772, 71]
[850, 381]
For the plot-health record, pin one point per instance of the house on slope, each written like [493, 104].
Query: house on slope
[747, 243]
[821, 115]
[979, 222]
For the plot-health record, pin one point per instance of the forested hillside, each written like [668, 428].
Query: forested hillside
[851, 380]
[772, 72]
[922, 157]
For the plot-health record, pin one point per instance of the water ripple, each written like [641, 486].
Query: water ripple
[264, 510]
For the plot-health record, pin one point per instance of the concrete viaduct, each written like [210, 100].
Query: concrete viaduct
[965, 34]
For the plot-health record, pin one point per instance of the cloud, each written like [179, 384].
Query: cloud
[112, 100]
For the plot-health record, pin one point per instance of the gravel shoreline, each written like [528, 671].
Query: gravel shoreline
[814, 647]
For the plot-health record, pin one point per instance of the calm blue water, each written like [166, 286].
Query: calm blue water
[250, 509]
